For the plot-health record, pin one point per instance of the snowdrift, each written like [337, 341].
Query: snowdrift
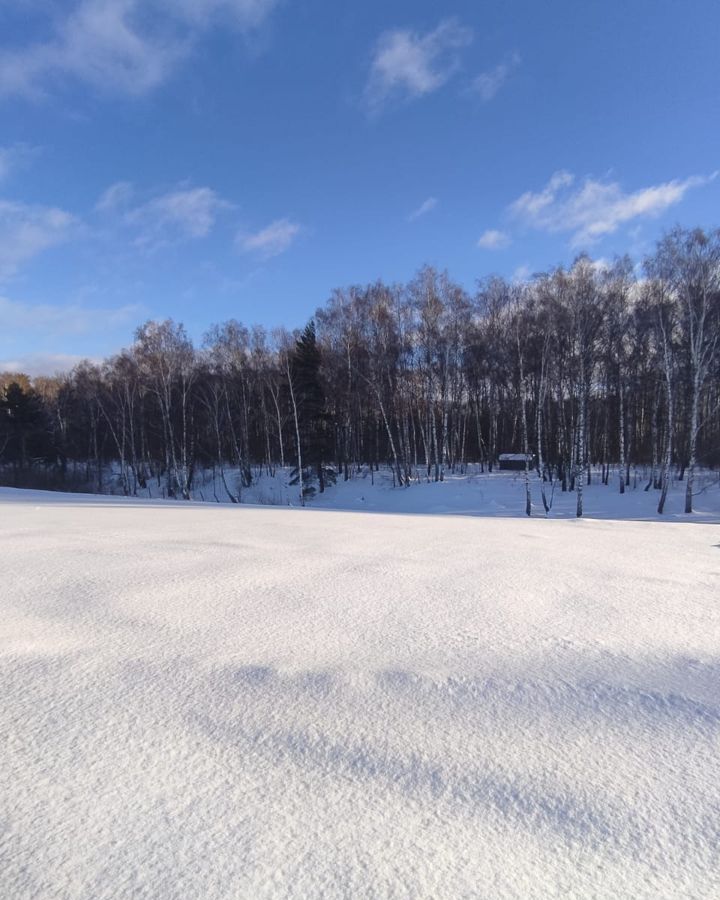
[210, 701]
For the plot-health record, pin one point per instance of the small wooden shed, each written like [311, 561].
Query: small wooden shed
[513, 462]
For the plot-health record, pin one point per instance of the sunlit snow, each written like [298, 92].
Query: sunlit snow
[227, 701]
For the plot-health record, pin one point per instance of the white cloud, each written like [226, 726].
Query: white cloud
[425, 207]
[125, 46]
[407, 64]
[272, 240]
[532, 205]
[487, 84]
[521, 274]
[595, 208]
[181, 214]
[27, 230]
[34, 364]
[492, 239]
[184, 213]
[68, 319]
[98, 43]
[45, 324]
[114, 197]
[601, 264]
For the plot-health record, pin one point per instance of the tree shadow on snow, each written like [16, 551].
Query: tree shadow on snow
[246, 716]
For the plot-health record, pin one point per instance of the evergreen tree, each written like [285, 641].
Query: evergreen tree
[23, 423]
[315, 426]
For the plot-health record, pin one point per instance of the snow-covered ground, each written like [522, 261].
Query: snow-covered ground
[473, 493]
[503, 494]
[204, 701]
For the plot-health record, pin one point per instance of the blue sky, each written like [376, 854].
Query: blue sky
[209, 159]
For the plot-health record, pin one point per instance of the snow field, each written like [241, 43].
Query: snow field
[211, 701]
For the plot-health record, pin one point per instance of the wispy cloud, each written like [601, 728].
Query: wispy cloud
[43, 319]
[26, 230]
[487, 84]
[188, 213]
[425, 207]
[46, 326]
[125, 46]
[115, 197]
[34, 364]
[272, 240]
[533, 206]
[592, 209]
[407, 64]
[182, 214]
[492, 239]
[98, 42]
[521, 274]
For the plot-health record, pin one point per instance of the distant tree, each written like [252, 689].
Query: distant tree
[309, 397]
[167, 363]
[24, 424]
[688, 265]
[577, 368]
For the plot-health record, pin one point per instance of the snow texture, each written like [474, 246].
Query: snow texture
[232, 701]
[470, 494]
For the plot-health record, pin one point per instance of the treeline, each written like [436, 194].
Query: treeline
[590, 367]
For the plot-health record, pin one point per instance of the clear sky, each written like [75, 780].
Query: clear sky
[209, 159]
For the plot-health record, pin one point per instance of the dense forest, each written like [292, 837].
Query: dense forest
[587, 371]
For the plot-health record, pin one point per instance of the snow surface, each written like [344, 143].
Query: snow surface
[470, 494]
[204, 701]
[503, 494]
